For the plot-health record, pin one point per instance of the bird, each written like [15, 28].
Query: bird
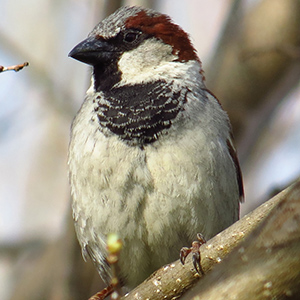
[151, 154]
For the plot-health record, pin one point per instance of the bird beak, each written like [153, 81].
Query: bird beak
[94, 51]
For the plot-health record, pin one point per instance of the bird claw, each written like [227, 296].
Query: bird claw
[195, 250]
[184, 252]
[196, 258]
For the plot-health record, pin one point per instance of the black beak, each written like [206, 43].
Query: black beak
[94, 51]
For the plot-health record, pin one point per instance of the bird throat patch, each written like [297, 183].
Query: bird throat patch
[139, 113]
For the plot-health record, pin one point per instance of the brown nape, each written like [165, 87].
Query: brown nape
[162, 28]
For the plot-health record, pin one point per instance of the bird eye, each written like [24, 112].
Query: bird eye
[131, 36]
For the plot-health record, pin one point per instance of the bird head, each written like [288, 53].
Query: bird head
[134, 45]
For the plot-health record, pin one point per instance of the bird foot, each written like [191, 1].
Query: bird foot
[195, 250]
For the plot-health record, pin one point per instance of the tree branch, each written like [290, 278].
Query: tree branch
[266, 265]
[15, 68]
[173, 280]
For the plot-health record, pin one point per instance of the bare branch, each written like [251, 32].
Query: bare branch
[266, 265]
[288, 50]
[174, 279]
[15, 68]
[270, 38]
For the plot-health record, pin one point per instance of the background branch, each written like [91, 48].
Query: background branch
[268, 35]
[15, 68]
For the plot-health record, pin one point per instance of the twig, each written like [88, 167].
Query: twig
[15, 68]
[114, 247]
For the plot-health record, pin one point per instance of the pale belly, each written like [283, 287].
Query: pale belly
[157, 198]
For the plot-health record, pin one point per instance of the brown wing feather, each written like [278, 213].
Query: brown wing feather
[232, 152]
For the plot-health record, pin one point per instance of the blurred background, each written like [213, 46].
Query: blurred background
[250, 50]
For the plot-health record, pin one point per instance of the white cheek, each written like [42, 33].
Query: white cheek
[144, 62]
[91, 89]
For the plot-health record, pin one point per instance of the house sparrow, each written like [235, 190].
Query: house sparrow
[151, 156]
